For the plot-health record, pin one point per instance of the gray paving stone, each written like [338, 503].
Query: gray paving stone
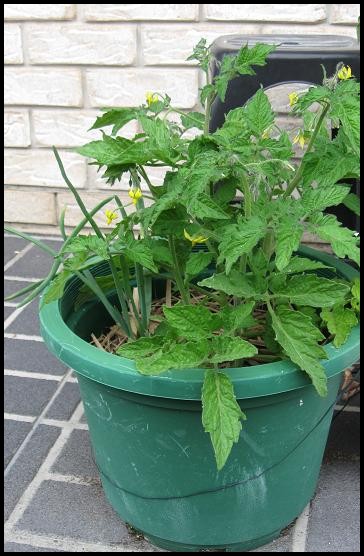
[76, 457]
[333, 525]
[7, 312]
[12, 245]
[15, 547]
[26, 355]
[27, 465]
[344, 438]
[85, 513]
[27, 322]
[12, 286]
[35, 264]
[27, 396]
[282, 544]
[65, 403]
[14, 434]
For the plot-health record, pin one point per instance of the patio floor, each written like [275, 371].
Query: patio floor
[53, 498]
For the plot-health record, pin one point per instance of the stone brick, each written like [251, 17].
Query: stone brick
[13, 53]
[81, 44]
[322, 29]
[43, 86]
[39, 167]
[67, 128]
[344, 13]
[141, 12]
[27, 396]
[111, 87]
[32, 207]
[16, 128]
[307, 13]
[172, 44]
[39, 11]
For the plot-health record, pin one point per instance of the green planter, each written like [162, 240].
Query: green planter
[156, 463]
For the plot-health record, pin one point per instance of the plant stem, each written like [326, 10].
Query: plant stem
[36, 242]
[177, 272]
[91, 283]
[295, 181]
[142, 296]
[76, 195]
[119, 291]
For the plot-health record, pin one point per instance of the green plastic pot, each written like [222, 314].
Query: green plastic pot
[156, 462]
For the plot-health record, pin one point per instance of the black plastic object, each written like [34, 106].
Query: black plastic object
[297, 59]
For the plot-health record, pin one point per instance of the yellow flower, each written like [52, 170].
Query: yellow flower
[266, 134]
[151, 98]
[344, 73]
[135, 195]
[195, 238]
[300, 139]
[110, 216]
[293, 99]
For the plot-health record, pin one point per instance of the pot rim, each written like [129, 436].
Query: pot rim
[249, 382]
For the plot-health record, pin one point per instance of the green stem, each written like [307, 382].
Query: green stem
[23, 291]
[61, 223]
[36, 242]
[295, 181]
[146, 179]
[119, 291]
[126, 279]
[57, 262]
[247, 197]
[177, 272]
[139, 275]
[77, 196]
[91, 283]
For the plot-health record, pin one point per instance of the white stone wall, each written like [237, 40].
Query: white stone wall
[63, 62]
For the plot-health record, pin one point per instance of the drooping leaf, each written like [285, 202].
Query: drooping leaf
[299, 339]
[56, 287]
[288, 237]
[339, 321]
[197, 262]
[346, 107]
[230, 348]
[312, 290]
[352, 202]
[205, 207]
[330, 165]
[221, 414]
[139, 252]
[343, 241]
[191, 321]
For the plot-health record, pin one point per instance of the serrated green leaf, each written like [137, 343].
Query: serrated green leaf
[312, 290]
[191, 321]
[240, 239]
[329, 165]
[343, 241]
[205, 207]
[352, 202]
[139, 252]
[113, 151]
[259, 113]
[161, 252]
[288, 237]
[88, 244]
[141, 347]
[299, 339]
[241, 285]
[221, 414]
[235, 318]
[197, 262]
[355, 290]
[230, 348]
[340, 321]
[193, 119]
[301, 264]
[117, 117]
[175, 356]
[255, 56]
[320, 198]
[346, 107]
[56, 287]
